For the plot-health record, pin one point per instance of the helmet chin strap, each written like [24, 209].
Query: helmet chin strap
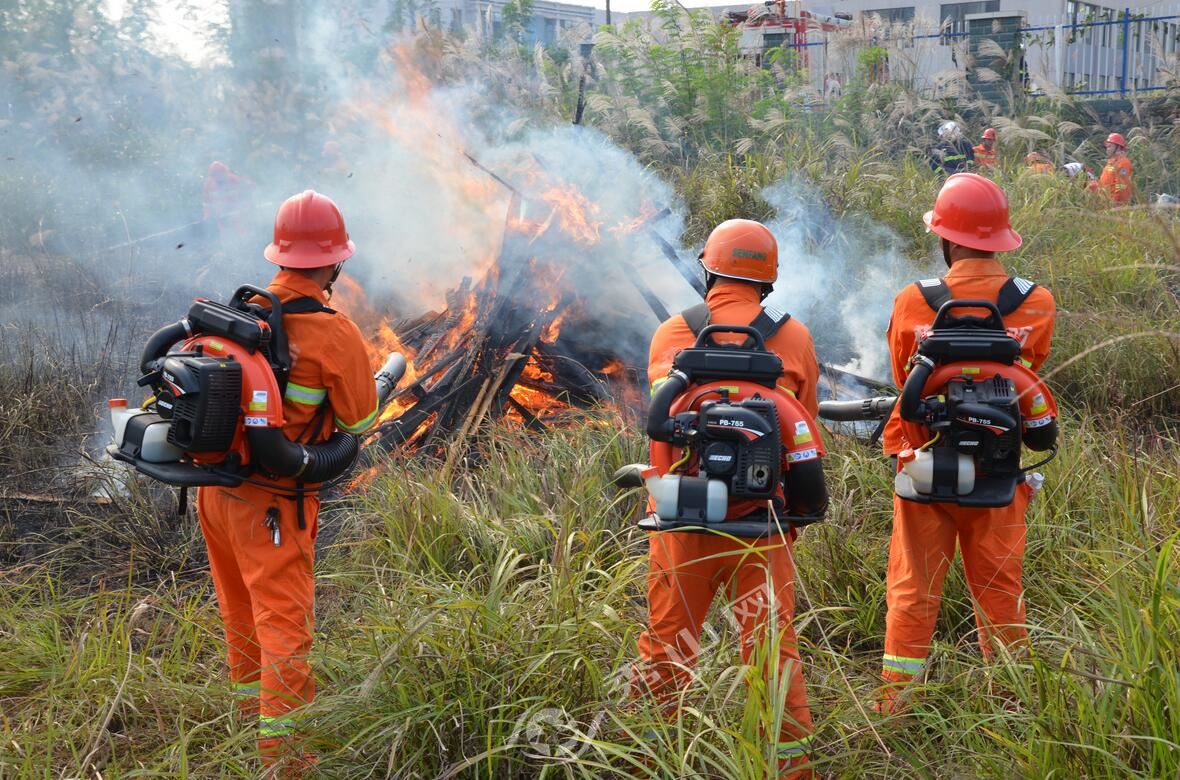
[332, 281]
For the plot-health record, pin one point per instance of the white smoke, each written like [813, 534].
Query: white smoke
[837, 274]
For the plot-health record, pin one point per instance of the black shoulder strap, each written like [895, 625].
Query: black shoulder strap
[935, 291]
[305, 305]
[279, 352]
[697, 317]
[767, 323]
[1013, 294]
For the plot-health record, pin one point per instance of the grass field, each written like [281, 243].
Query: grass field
[477, 626]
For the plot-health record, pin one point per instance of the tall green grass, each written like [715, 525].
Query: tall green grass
[481, 628]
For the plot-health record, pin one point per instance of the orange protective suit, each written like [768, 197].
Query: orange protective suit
[1115, 180]
[687, 569]
[985, 158]
[264, 583]
[924, 535]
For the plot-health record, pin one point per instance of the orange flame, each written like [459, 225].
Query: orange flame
[646, 212]
[575, 213]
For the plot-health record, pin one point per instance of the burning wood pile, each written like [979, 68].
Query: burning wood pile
[517, 344]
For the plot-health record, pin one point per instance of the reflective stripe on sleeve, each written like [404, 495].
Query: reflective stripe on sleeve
[898, 663]
[308, 396]
[359, 427]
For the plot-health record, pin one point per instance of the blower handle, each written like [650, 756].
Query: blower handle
[993, 321]
[277, 350]
[248, 291]
[704, 338]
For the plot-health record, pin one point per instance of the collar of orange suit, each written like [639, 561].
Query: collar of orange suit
[975, 266]
[732, 291]
[298, 285]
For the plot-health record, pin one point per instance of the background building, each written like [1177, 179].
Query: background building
[988, 47]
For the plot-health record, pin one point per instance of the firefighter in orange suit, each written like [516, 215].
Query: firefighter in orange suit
[1037, 163]
[971, 218]
[1115, 180]
[261, 537]
[985, 152]
[687, 569]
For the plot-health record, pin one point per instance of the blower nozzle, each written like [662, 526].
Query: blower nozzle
[389, 375]
[853, 411]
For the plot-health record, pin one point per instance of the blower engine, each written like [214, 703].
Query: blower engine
[976, 406]
[716, 427]
[216, 416]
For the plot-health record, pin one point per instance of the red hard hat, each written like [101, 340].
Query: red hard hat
[973, 212]
[1117, 138]
[309, 233]
[742, 249]
[990, 134]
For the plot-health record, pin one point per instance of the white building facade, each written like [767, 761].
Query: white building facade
[486, 18]
[1061, 45]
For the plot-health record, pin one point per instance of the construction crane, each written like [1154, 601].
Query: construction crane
[784, 23]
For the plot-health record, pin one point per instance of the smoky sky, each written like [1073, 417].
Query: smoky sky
[109, 215]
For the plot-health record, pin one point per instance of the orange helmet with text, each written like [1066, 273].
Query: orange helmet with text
[742, 249]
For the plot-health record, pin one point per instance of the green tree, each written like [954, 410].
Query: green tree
[517, 16]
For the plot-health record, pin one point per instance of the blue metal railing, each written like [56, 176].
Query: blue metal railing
[1126, 51]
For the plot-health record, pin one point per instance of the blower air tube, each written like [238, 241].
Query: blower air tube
[659, 422]
[159, 342]
[909, 403]
[275, 454]
[1042, 438]
[807, 492]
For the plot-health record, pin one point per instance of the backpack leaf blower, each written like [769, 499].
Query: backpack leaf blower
[717, 427]
[216, 413]
[973, 405]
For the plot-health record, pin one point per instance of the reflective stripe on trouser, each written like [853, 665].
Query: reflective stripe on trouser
[276, 726]
[245, 693]
[902, 665]
[794, 762]
[922, 546]
[686, 571]
[246, 688]
[265, 592]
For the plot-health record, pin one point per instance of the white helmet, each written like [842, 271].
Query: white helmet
[948, 129]
[1072, 169]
